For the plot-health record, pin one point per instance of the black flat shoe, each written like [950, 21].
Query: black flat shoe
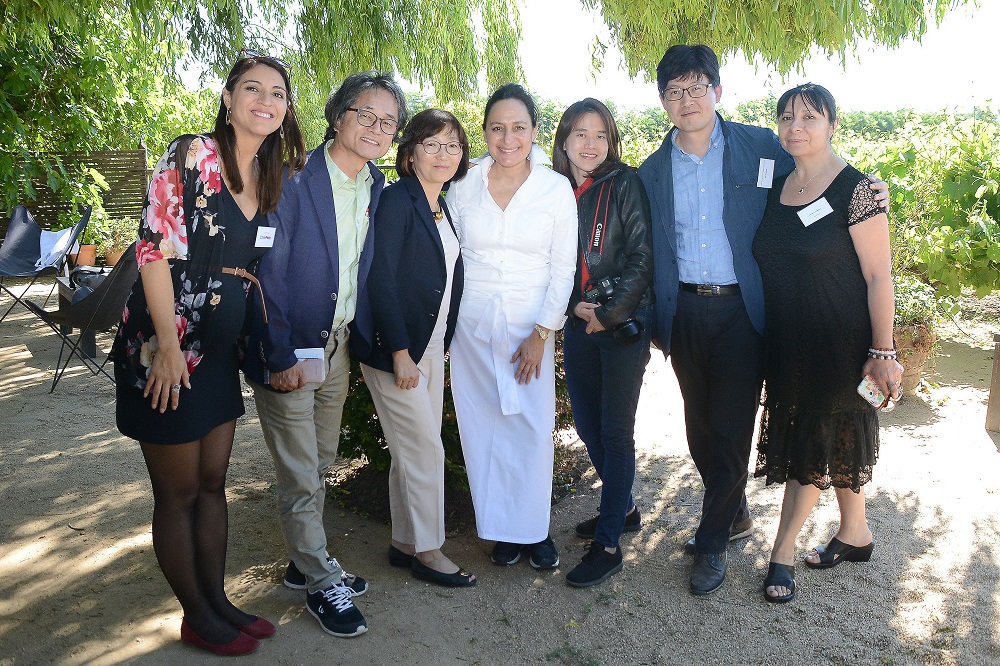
[780, 575]
[460, 578]
[837, 551]
[398, 558]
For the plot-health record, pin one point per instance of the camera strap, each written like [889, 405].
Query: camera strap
[593, 246]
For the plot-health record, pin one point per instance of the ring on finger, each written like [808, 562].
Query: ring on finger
[175, 389]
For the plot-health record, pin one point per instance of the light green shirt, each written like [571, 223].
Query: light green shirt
[350, 200]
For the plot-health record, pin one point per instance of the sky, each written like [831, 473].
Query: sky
[954, 67]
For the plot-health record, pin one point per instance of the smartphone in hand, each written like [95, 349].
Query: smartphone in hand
[872, 394]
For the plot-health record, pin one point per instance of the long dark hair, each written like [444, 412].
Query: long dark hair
[422, 126]
[274, 152]
[576, 110]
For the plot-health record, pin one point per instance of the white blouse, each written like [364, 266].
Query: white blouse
[525, 253]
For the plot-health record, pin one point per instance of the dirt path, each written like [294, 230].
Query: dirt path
[79, 584]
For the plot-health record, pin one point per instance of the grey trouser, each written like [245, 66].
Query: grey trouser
[302, 431]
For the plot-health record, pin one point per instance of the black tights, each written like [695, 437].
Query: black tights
[190, 528]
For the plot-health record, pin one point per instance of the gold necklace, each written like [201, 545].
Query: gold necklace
[438, 214]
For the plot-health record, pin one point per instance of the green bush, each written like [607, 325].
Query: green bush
[361, 434]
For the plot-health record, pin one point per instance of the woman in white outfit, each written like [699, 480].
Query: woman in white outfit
[516, 221]
[414, 288]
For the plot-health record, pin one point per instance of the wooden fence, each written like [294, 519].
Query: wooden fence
[126, 172]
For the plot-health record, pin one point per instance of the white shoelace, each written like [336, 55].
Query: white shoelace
[339, 596]
[347, 578]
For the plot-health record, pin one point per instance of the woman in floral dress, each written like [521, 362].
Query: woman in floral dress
[176, 356]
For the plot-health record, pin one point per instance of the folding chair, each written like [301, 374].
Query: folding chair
[20, 251]
[98, 311]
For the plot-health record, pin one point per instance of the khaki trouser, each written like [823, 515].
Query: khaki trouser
[302, 431]
[411, 421]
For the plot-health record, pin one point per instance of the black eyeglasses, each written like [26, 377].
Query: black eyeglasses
[694, 92]
[250, 53]
[432, 147]
[368, 119]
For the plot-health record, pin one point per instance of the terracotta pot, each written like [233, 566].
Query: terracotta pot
[111, 258]
[86, 257]
[915, 344]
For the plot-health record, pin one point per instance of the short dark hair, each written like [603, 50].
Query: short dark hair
[560, 160]
[346, 96]
[512, 91]
[274, 152]
[812, 94]
[424, 125]
[683, 61]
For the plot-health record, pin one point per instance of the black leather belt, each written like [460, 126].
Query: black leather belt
[712, 289]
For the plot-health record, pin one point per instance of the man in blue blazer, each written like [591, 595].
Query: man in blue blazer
[707, 187]
[314, 285]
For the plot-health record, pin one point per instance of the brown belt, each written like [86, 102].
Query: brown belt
[242, 272]
[712, 289]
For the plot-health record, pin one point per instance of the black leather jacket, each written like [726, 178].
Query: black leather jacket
[617, 203]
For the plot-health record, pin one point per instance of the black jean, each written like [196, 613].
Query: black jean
[603, 379]
[717, 356]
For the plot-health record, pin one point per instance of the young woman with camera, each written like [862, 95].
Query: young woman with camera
[606, 344]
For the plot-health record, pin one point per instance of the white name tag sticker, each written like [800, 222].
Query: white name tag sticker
[765, 173]
[817, 210]
[265, 236]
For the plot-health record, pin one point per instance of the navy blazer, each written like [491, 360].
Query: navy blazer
[300, 274]
[408, 275]
[743, 209]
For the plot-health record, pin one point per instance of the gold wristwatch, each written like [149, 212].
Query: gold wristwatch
[543, 332]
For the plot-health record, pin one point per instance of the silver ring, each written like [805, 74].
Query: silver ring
[176, 388]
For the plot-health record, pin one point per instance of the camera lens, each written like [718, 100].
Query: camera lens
[628, 332]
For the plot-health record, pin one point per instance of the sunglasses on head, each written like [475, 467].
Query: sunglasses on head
[251, 53]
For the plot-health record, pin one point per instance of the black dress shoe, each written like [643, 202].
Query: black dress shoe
[708, 572]
[398, 558]
[460, 578]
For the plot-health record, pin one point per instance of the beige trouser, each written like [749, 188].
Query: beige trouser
[411, 421]
[302, 431]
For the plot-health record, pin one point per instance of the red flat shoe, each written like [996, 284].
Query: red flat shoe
[259, 628]
[242, 644]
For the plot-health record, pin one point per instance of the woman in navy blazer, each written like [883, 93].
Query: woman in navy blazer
[414, 288]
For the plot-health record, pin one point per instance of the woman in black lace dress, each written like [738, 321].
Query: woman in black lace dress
[823, 251]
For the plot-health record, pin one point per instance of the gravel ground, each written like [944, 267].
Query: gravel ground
[79, 583]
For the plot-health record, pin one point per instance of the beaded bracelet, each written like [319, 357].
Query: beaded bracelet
[882, 354]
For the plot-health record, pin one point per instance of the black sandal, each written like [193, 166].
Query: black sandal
[780, 575]
[837, 551]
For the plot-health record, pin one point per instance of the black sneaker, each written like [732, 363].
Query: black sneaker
[506, 554]
[296, 580]
[588, 528]
[597, 566]
[335, 611]
[543, 555]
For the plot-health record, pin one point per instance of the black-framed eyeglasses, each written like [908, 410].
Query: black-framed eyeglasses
[432, 147]
[694, 92]
[368, 119]
[251, 53]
